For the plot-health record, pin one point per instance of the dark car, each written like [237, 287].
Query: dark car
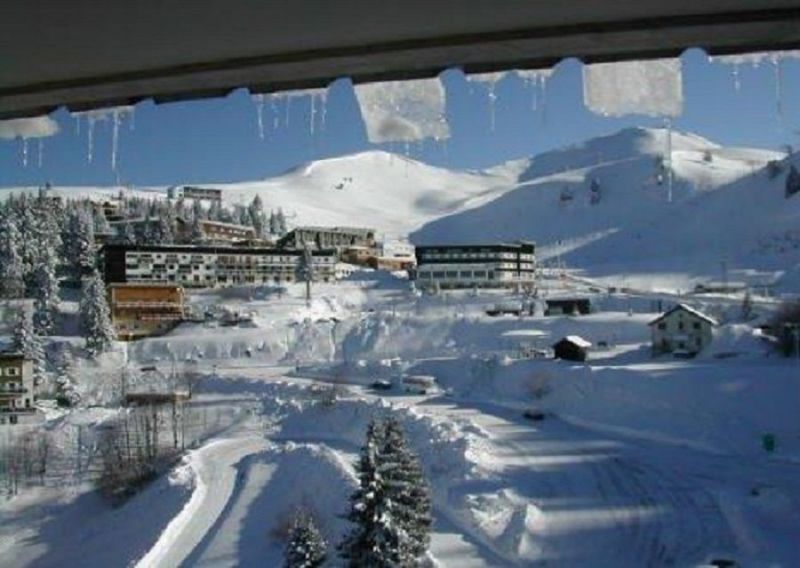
[381, 385]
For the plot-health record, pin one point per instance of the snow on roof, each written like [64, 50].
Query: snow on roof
[525, 333]
[688, 309]
[578, 340]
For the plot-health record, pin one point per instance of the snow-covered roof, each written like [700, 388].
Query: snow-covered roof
[688, 309]
[578, 340]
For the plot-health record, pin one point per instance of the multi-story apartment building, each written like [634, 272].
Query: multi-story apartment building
[212, 266]
[470, 266]
[140, 310]
[17, 389]
[328, 237]
[193, 192]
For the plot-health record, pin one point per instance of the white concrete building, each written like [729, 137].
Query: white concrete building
[211, 266]
[470, 266]
[682, 330]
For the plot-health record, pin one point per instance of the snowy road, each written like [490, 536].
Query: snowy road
[216, 477]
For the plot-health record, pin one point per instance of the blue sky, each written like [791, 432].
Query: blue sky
[217, 140]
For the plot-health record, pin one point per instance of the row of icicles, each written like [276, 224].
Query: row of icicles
[407, 101]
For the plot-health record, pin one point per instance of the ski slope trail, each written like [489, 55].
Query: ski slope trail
[599, 500]
[214, 467]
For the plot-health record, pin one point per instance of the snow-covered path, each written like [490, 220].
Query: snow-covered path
[608, 500]
[216, 477]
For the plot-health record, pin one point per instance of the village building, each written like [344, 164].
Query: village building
[572, 348]
[194, 192]
[322, 238]
[392, 263]
[358, 255]
[202, 266]
[17, 388]
[682, 330]
[567, 306]
[476, 266]
[143, 310]
[216, 232]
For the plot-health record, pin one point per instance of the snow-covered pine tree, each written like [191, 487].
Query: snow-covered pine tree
[306, 548]
[257, 217]
[95, 316]
[26, 341]
[281, 222]
[409, 493]
[45, 292]
[127, 235]
[373, 541]
[12, 270]
[197, 235]
[273, 223]
[100, 222]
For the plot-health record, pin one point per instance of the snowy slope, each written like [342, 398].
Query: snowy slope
[722, 204]
[392, 193]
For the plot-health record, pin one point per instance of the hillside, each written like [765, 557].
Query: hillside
[392, 193]
[603, 205]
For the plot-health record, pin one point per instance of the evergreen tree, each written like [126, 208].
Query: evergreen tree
[409, 493]
[197, 235]
[273, 223]
[307, 548]
[792, 181]
[26, 341]
[281, 222]
[45, 293]
[100, 222]
[127, 235]
[95, 315]
[372, 539]
[392, 506]
[12, 269]
[257, 218]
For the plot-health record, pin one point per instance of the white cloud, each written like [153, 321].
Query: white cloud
[36, 127]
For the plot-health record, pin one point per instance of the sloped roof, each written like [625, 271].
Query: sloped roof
[688, 309]
[576, 340]
[87, 54]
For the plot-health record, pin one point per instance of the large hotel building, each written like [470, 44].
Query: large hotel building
[471, 266]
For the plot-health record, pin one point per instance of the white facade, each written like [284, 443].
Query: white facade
[682, 329]
[210, 269]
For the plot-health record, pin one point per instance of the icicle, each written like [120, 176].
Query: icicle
[324, 110]
[737, 80]
[490, 80]
[274, 108]
[777, 67]
[24, 152]
[259, 102]
[90, 137]
[313, 114]
[288, 108]
[115, 119]
[668, 158]
[77, 118]
[535, 80]
[403, 111]
[41, 151]
[132, 121]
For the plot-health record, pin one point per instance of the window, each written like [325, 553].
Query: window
[680, 325]
[662, 326]
[696, 325]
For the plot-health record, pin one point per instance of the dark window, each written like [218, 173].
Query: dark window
[662, 325]
[696, 325]
[680, 325]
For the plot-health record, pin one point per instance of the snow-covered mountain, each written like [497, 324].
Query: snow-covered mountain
[605, 205]
[392, 193]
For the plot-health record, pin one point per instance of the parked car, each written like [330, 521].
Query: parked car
[533, 414]
[381, 385]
